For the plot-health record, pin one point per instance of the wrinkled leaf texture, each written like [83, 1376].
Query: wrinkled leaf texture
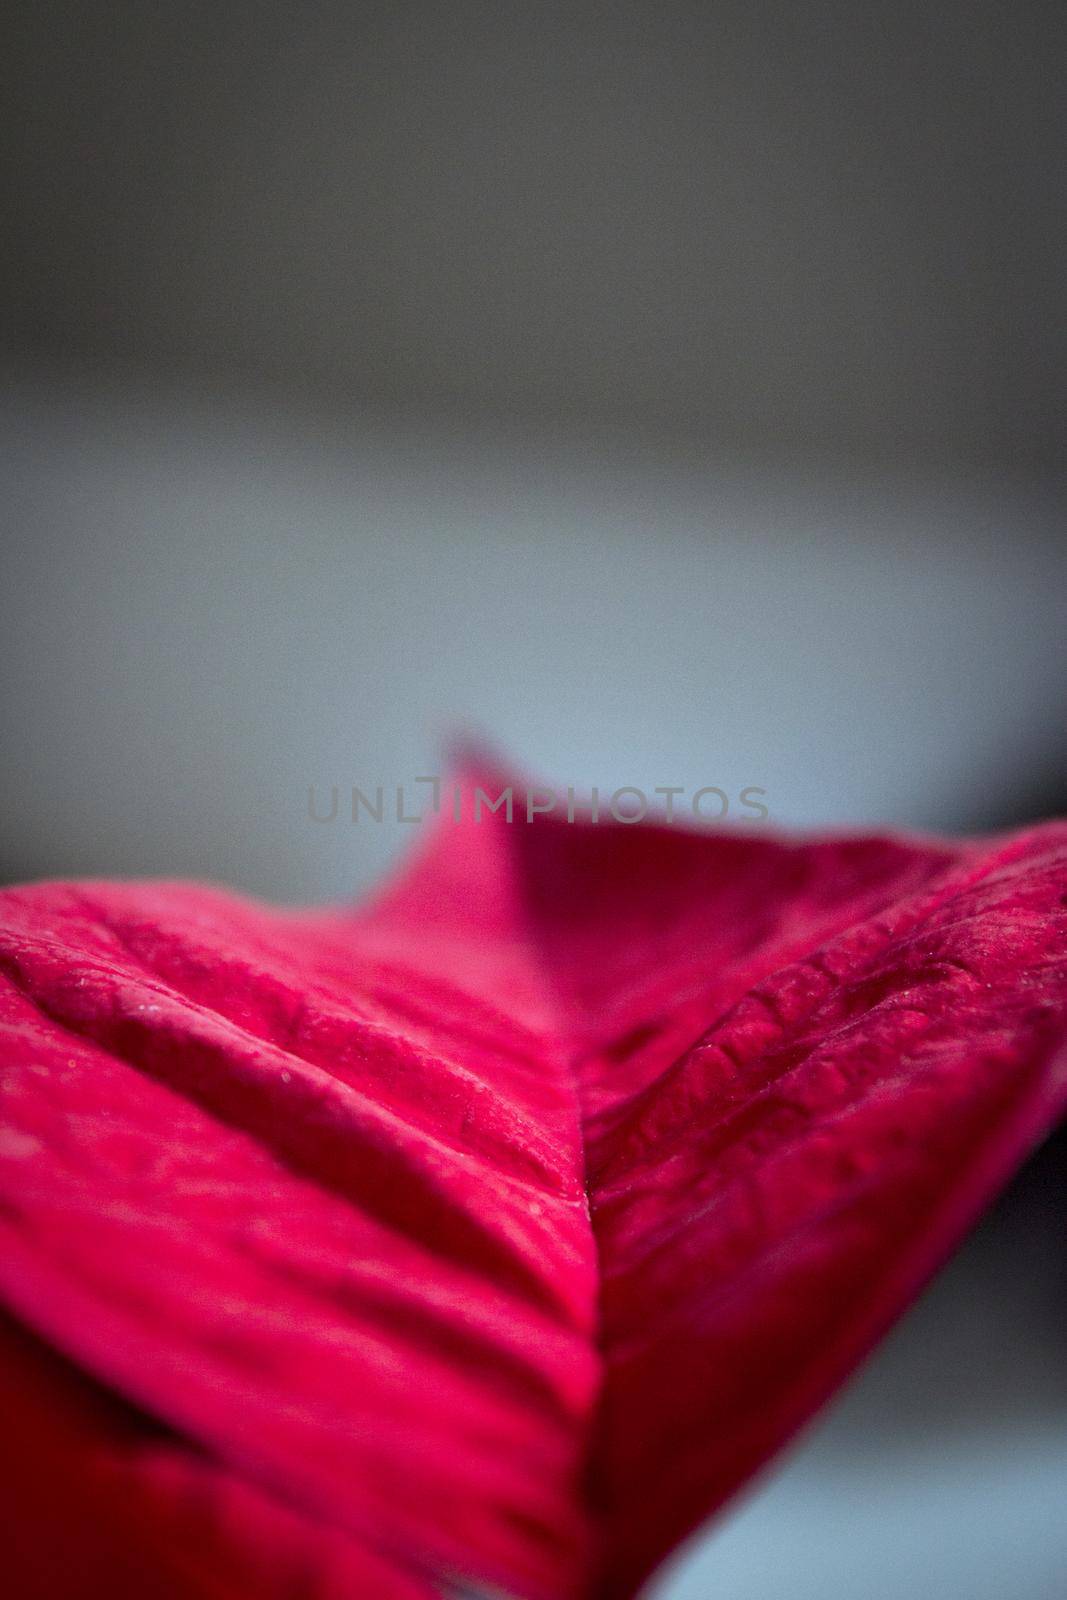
[485, 1238]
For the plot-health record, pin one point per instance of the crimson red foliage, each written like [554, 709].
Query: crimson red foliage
[495, 1232]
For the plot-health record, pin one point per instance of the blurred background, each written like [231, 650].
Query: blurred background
[673, 393]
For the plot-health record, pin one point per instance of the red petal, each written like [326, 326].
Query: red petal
[498, 1232]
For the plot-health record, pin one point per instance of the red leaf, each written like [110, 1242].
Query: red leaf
[493, 1234]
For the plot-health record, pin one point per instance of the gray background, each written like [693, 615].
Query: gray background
[672, 393]
[824, 224]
